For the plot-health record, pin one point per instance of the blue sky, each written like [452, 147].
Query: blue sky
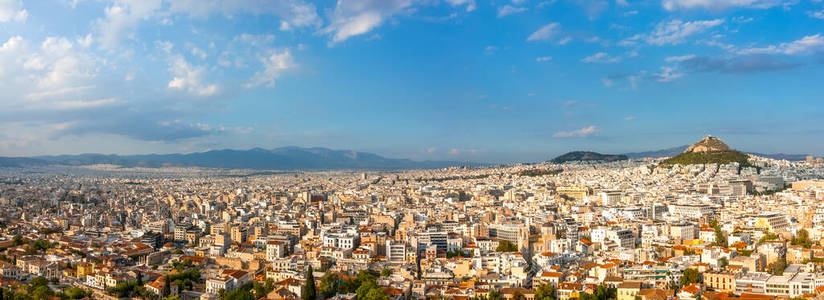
[479, 80]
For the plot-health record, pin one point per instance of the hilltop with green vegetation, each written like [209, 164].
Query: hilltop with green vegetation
[709, 150]
[700, 158]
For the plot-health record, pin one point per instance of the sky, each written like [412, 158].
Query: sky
[470, 80]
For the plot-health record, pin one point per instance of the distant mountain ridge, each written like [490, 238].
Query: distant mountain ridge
[285, 158]
[587, 156]
[658, 153]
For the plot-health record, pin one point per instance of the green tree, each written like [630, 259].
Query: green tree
[308, 292]
[604, 293]
[38, 282]
[364, 289]
[260, 291]
[75, 293]
[167, 287]
[720, 238]
[18, 240]
[545, 292]
[690, 276]
[375, 294]
[329, 285]
[270, 285]
[802, 238]
[386, 272]
[768, 237]
[42, 292]
[723, 262]
[506, 246]
[777, 267]
[495, 295]
[585, 296]
[139, 279]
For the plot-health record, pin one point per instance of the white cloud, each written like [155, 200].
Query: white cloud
[189, 78]
[273, 67]
[197, 52]
[564, 41]
[470, 4]
[37, 96]
[543, 58]
[431, 150]
[12, 10]
[667, 74]
[85, 41]
[545, 32]
[356, 17]
[583, 132]
[507, 10]
[816, 14]
[80, 104]
[679, 58]
[122, 18]
[630, 118]
[676, 31]
[622, 2]
[807, 45]
[255, 39]
[55, 75]
[716, 5]
[293, 13]
[601, 57]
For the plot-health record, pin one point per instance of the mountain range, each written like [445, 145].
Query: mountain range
[297, 158]
[285, 158]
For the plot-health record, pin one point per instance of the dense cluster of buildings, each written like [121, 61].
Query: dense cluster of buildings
[633, 227]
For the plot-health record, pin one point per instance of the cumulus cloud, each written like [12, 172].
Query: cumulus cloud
[273, 66]
[470, 4]
[507, 10]
[189, 78]
[582, 133]
[31, 74]
[81, 104]
[256, 40]
[807, 45]
[543, 58]
[717, 5]
[546, 32]
[667, 74]
[633, 80]
[675, 32]
[123, 17]
[293, 13]
[679, 58]
[816, 14]
[601, 57]
[12, 10]
[357, 17]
